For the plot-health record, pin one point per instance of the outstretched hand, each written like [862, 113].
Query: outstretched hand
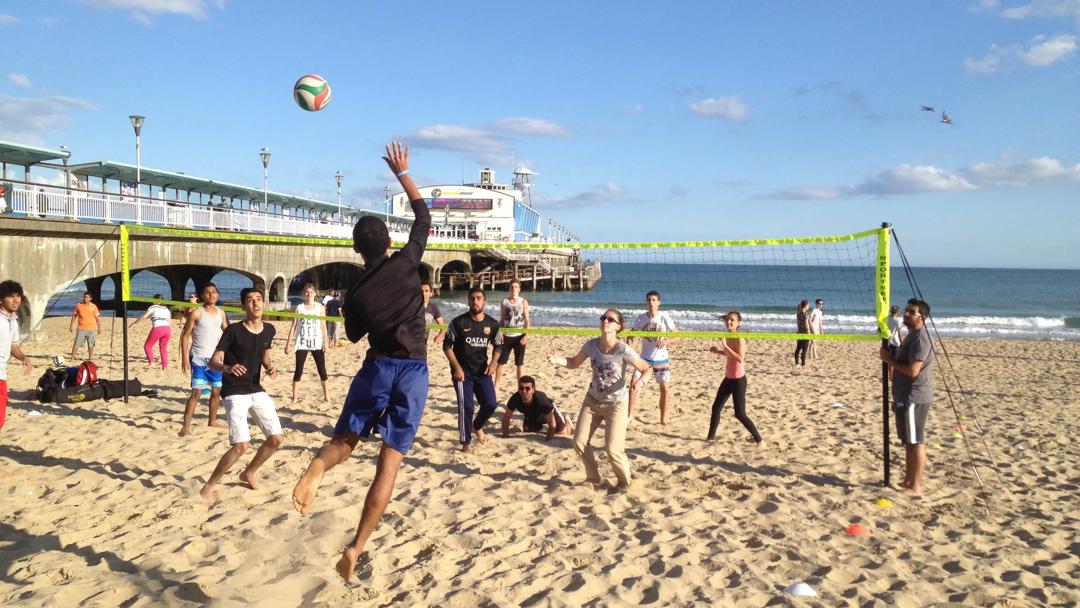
[397, 157]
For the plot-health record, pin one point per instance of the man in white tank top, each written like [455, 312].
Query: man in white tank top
[513, 313]
[201, 333]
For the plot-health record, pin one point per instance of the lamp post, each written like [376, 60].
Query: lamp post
[136, 123]
[264, 154]
[340, 177]
[386, 202]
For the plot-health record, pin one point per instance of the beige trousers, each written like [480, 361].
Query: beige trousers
[615, 417]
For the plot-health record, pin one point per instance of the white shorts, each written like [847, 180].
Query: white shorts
[662, 375]
[260, 404]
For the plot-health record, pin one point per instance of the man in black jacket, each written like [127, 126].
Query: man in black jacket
[389, 392]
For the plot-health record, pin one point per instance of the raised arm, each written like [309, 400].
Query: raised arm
[397, 158]
[573, 362]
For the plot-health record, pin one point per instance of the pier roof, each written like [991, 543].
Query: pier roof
[108, 169]
[22, 154]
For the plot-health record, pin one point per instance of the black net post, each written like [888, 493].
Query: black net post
[123, 321]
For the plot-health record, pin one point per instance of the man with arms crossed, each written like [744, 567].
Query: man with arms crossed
[513, 313]
[913, 391]
[653, 351]
[538, 410]
[11, 296]
[202, 331]
[87, 315]
[241, 355]
[389, 392]
[465, 347]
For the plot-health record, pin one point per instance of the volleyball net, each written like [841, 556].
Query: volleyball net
[568, 287]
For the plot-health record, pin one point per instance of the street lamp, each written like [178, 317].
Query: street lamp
[136, 123]
[340, 177]
[264, 154]
[386, 202]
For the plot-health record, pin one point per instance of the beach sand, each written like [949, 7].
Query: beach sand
[101, 504]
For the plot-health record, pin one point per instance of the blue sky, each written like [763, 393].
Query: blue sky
[645, 120]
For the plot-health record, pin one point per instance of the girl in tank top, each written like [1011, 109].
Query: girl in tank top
[734, 384]
[160, 331]
[309, 336]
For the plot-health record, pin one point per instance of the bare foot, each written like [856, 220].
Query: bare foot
[184, 432]
[217, 424]
[303, 495]
[466, 448]
[913, 492]
[347, 564]
[481, 436]
[207, 492]
[249, 479]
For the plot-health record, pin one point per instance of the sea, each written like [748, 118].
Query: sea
[1014, 303]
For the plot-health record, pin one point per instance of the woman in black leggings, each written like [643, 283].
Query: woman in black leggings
[308, 335]
[734, 384]
[801, 326]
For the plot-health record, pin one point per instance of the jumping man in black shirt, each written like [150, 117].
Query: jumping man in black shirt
[389, 391]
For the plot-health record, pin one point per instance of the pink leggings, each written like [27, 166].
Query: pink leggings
[160, 335]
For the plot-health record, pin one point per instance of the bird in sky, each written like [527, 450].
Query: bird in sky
[928, 108]
[945, 118]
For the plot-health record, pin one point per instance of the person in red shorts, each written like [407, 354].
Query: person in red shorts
[11, 297]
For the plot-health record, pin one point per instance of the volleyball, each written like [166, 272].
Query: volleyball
[58, 361]
[312, 92]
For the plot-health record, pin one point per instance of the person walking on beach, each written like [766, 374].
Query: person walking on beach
[513, 314]
[202, 331]
[240, 356]
[654, 350]
[160, 331]
[465, 347]
[389, 392]
[607, 400]
[817, 325]
[802, 326]
[734, 383]
[538, 410]
[912, 391]
[333, 328]
[11, 297]
[308, 335]
[86, 315]
[432, 314]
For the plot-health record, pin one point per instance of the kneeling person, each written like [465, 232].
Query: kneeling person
[244, 350]
[538, 410]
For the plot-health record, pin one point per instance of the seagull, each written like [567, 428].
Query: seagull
[945, 118]
[927, 108]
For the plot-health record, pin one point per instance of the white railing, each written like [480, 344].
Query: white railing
[58, 203]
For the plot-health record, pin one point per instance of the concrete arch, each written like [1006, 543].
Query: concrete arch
[328, 275]
[277, 293]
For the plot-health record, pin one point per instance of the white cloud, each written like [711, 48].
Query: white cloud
[21, 80]
[1022, 173]
[637, 108]
[599, 194]
[143, 11]
[490, 143]
[530, 126]
[27, 119]
[730, 108]
[912, 179]
[8, 20]
[1044, 8]
[49, 21]
[990, 63]
[918, 179]
[1045, 52]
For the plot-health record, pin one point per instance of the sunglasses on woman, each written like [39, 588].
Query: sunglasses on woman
[608, 319]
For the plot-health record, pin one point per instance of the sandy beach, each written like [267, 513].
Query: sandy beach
[101, 504]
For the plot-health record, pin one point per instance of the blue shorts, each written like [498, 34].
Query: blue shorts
[387, 395]
[202, 376]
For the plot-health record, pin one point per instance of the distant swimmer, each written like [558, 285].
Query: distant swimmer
[928, 109]
[945, 118]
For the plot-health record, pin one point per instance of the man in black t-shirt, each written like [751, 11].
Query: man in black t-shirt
[538, 410]
[333, 309]
[465, 346]
[241, 354]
